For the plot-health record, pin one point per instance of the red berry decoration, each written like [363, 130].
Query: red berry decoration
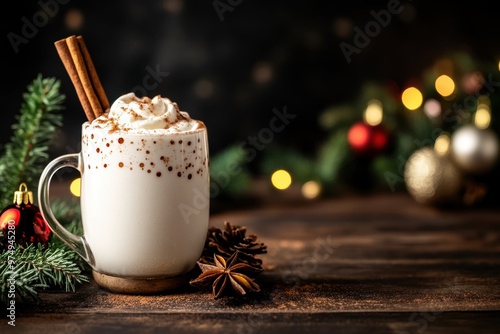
[368, 139]
[22, 223]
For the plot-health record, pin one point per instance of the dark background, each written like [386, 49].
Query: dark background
[232, 73]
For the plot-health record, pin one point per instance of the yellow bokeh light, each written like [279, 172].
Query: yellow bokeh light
[412, 98]
[374, 113]
[311, 189]
[75, 187]
[281, 179]
[445, 85]
[482, 117]
[442, 144]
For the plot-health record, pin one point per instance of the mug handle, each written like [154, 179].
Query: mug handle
[75, 242]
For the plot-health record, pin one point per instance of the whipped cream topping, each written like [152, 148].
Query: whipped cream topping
[138, 115]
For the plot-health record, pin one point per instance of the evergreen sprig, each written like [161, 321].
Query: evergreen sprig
[27, 270]
[229, 172]
[35, 268]
[24, 156]
[300, 165]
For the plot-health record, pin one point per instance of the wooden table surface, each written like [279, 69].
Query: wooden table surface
[377, 264]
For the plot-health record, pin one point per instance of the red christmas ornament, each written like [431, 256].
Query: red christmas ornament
[22, 223]
[368, 139]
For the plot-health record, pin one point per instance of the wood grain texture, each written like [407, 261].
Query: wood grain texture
[380, 264]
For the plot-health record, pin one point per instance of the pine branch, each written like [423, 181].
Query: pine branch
[332, 157]
[35, 268]
[228, 171]
[24, 157]
[68, 212]
[297, 163]
[17, 282]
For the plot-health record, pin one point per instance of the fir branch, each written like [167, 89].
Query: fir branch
[68, 212]
[36, 268]
[297, 163]
[17, 282]
[24, 157]
[228, 170]
[332, 156]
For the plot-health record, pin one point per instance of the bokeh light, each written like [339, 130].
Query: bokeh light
[262, 73]
[74, 19]
[74, 187]
[472, 82]
[412, 98]
[442, 144]
[445, 85]
[342, 27]
[466, 141]
[359, 136]
[204, 88]
[379, 139]
[374, 113]
[482, 116]
[173, 6]
[432, 108]
[311, 189]
[281, 179]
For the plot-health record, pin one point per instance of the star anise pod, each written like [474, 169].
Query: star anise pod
[233, 238]
[232, 271]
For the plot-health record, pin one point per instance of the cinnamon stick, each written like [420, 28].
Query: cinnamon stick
[96, 83]
[78, 63]
[67, 60]
[81, 69]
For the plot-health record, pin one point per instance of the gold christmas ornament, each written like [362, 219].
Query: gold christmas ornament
[474, 150]
[431, 178]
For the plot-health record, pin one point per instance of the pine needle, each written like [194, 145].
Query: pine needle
[25, 155]
[26, 271]
[35, 268]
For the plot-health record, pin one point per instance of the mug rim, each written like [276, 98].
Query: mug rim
[153, 132]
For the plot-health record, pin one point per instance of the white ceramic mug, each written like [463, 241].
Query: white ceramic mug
[144, 226]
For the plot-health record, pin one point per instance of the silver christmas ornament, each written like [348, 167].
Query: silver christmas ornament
[474, 150]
